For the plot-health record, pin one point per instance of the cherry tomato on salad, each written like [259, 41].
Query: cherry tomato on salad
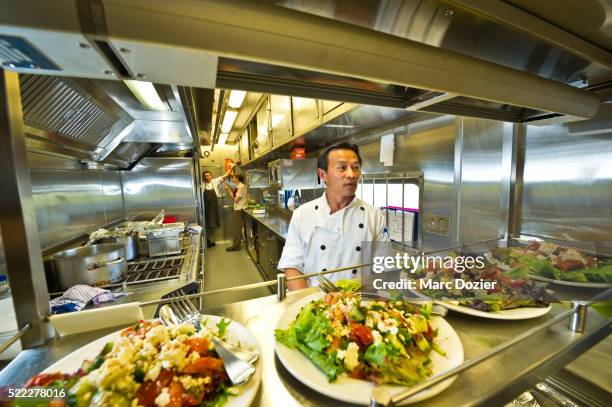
[176, 395]
[204, 364]
[150, 389]
[44, 379]
[199, 345]
[146, 394]
[361, 334]
[358, 372]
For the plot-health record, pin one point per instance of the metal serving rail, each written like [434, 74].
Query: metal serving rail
[502, 357]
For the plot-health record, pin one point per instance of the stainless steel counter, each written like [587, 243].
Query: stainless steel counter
[490, 383]
[275, 223]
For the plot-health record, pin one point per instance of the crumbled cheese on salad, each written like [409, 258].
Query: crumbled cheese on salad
[378, 339]
[173, 355]
[163, 399]
[351, 357]
[190, 382]
[388, 325]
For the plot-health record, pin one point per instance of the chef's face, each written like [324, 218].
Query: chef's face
[343, 172]
[207, 177]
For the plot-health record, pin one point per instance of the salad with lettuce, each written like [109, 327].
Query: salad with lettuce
[552, 261]
[510, 291]
[367, 339]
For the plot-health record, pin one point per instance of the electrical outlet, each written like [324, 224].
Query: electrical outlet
[437, 224]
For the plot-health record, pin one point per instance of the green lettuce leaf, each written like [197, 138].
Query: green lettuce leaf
[312, 328]
[349, 285]
[322, 361]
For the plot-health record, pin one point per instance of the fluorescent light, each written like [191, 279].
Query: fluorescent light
[228, 121]
[236, 98]
[146, 94]
[222, 138]
[340, 126]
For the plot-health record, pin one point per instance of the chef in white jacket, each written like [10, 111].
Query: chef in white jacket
[329, 232]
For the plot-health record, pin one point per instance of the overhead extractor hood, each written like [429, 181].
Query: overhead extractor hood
[421, 68]
[59, 112]
[97, 121]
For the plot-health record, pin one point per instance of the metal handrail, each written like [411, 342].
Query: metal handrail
[15, 337]
[249, 286]
[286, 279]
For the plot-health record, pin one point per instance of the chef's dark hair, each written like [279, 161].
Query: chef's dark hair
[322, 163]
[207, 172]
[240, 177]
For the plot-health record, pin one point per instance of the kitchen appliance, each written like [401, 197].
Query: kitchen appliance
[165, 239]
[98, 264]
[257, 179]
[129, 241]
[293, 174]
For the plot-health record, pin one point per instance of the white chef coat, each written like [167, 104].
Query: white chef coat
[214, 184]
[319, 241]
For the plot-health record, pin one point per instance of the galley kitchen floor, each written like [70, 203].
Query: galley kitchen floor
[229, 269]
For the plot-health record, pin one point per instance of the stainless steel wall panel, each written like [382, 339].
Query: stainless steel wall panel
[67, 203]
[481, 177]
[160, 183]
[427, 147]
[46, 161]
[567, 191]
[113, 195]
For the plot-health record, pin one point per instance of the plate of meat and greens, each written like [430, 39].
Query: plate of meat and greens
[554, 263]
[487, 292]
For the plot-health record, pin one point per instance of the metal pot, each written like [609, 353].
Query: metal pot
[98, 264]
[130, 242]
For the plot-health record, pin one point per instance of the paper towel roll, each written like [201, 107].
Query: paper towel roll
[98, 318]
[387, 147]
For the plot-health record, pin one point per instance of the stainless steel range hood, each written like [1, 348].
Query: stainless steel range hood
[97, 120]
[421, 68]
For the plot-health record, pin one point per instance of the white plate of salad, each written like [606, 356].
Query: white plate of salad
[155, 365]
[504, 314]
[342, 346]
